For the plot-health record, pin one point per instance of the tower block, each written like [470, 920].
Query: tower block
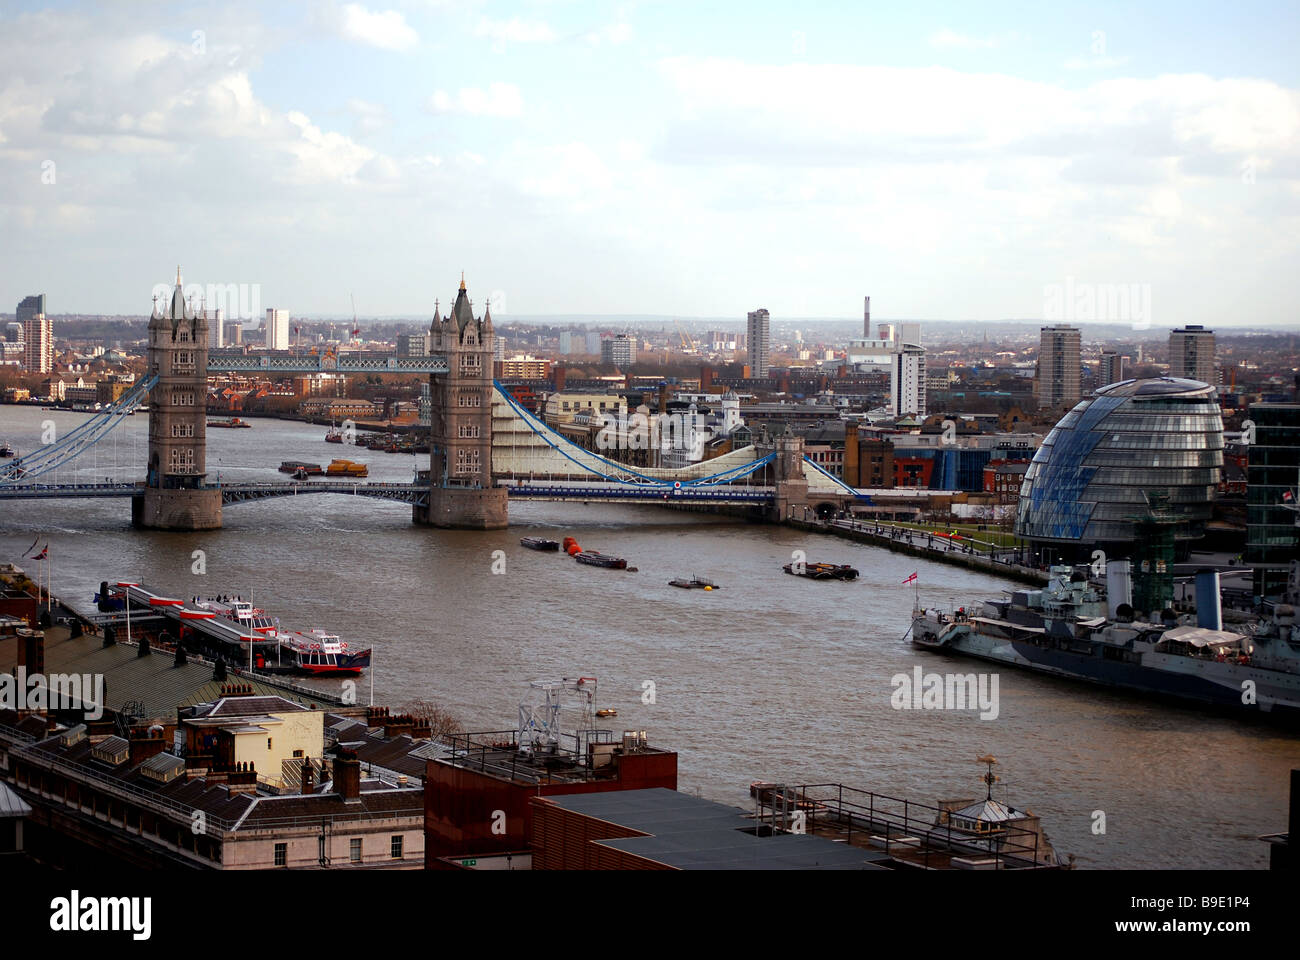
[461, 494]
[175, 495]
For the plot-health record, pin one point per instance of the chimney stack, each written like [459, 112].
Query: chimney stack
[306, 775]
[866, 317]
[347, 776]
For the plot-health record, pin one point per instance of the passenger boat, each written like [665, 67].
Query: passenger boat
[538, 543]
[822, 571]
[232, 422]
[346, 468]
[315, 652]
[334, 435]
[695, 583]
[594, 559]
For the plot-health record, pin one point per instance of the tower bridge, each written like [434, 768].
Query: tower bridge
[486, 449]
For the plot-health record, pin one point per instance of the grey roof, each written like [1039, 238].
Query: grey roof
[989, 811]
[691, 833]
[12, 805]
[1154, 386]
[155, 680]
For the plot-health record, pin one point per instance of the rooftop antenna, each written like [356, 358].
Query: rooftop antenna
[989, 777]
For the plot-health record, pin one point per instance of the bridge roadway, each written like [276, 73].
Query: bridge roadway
[237, 362]
[416, 493]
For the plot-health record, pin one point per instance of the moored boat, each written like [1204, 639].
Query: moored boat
[594, 559]
[346, 468]
[694, 583]
[293, 466]
[232, 422]
[822, 571]
[539, 543]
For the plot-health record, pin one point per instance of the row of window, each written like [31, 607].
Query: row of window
[354, 850]
[468, 431]
[182, 399]
[468, 400]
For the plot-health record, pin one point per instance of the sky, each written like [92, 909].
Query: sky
[681, 159]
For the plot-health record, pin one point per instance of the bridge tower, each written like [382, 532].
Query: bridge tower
[175, 496]
[461, 494]
[791, 486]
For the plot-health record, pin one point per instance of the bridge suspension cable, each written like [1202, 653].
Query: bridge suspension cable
[78, 440]
[619, 470]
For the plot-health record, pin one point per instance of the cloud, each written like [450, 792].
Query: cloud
[498, 100]
[514, 30]
[386, 29]
[367, 117]
[616, 34]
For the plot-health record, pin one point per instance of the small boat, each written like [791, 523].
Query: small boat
[594, 559]
[334, 435]
[301, 474]
[6, 451]
[822, 571]
[538, 543]
[607, 712]
[346, 468]
[232, 422]
[695, 583]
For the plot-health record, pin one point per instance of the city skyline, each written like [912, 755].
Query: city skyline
[383, 149]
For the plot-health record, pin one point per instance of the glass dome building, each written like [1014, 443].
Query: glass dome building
[1091, 479]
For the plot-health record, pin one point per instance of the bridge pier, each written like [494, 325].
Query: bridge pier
[788, 475]
[462, 508]
[177, 509]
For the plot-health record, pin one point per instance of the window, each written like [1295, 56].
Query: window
[397, 847]
[467, 400]
[182, 429]
[281, 854]
[297, 753]
[182, 399]
[268, 743]
[354, 849]
[469, 431]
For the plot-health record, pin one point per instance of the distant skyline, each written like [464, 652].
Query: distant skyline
[591, 160]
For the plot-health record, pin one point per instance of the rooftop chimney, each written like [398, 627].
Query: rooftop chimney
[347, 776]
[306, 775]
[1209, 610]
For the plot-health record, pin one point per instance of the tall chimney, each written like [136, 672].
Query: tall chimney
[866, 317]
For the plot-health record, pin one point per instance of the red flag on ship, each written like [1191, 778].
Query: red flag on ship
[910, 579]
[1287, 496]
[44, 554]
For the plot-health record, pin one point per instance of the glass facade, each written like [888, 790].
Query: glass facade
[1093, 474]
[1273, 470]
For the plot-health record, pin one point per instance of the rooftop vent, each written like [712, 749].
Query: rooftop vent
[164, 768]
[111, 750]
[73, 735]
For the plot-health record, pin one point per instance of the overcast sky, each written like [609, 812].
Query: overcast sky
[666, 158]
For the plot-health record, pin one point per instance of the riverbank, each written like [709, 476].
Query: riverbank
[920, 544]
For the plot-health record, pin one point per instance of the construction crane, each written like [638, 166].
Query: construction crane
[688, 342]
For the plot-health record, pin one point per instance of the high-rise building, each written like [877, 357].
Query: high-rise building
[619, 350]
[217, 331]
[1272, 472]
[277, 329]
[1110, 369]
[38, 335]
[1056, 384]
[499, 347]
[593, 343]
[13, 332]
[758, 334]
[1191, 354]
[907, 381]
[566, 342]
[412, 344]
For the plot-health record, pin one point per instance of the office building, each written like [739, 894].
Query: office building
[1272, 472]
[1191, 354]
[593, 343]
[217, 328]
[758, 333]
[1089, 483]
[277, 329]
[412, 344]
[1056, 384]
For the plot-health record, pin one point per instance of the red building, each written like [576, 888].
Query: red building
[477, 801]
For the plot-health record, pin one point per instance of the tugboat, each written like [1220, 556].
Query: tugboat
[232, 422]
[538, 543]
[293, 466]
[695, 583]
[822, 571]
[334, 435]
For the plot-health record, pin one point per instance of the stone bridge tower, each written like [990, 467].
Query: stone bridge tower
[175, 496]
[460, 442]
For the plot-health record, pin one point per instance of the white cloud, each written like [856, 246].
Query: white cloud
[385, 29]
[367, 117]
[498, 100]
[616, 34]
[514, 30]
